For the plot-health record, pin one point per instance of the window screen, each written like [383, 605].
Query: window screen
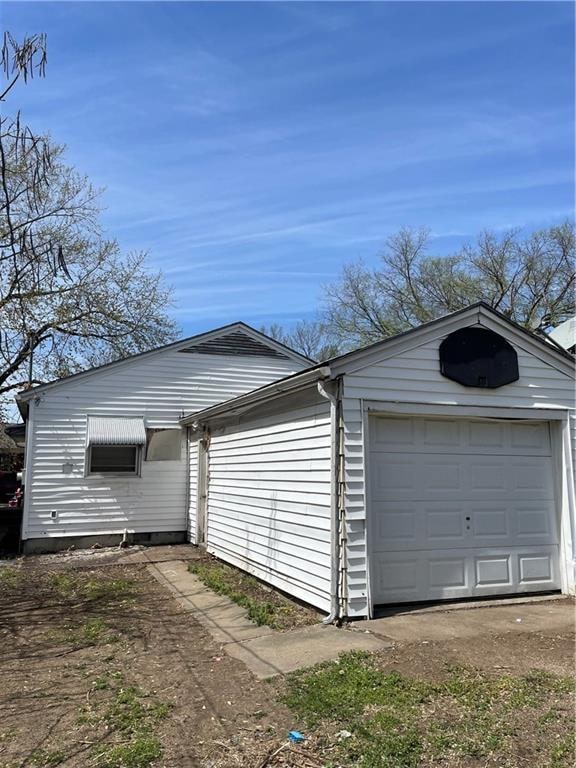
[114, 459]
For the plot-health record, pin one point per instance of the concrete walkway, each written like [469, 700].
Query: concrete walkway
[264, 651]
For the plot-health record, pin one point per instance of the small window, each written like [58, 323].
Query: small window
[163, 445]
[114, 460]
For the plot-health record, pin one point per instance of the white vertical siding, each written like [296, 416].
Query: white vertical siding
[192, 487]
[269, 497]
[161, 389]
[414, 376]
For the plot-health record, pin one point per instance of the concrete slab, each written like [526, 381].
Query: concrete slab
[226, 621]
[546, 617]
[286, 652]
[264, 651]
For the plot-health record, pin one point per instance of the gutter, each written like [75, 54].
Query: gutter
[250, 400]
[332, 392]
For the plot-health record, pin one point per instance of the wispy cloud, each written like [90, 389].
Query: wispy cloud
[255, 148]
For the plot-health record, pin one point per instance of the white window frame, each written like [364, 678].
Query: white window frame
[138, 464]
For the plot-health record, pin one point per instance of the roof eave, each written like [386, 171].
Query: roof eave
[28, 394]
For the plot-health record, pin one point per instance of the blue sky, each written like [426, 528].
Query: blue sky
[255, 148]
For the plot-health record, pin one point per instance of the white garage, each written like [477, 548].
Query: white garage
[434, 465]
[461, 508]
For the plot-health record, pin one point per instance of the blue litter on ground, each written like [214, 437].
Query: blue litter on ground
[296, 737]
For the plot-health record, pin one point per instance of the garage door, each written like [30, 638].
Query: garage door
[460, 508]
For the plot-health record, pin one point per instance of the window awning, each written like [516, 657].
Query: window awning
[110, 430]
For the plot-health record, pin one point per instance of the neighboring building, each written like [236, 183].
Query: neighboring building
[433, 465]
[105, 453]
[12, 447]
[565, 335]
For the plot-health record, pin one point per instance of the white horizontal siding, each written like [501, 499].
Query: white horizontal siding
[269, 498]
[159, 389]
[414, 376]
[193, 446]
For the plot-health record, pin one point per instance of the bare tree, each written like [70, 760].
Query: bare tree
[309, 337]
[68, 296]
[530, 279]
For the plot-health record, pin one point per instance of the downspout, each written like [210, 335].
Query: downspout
[331, 391]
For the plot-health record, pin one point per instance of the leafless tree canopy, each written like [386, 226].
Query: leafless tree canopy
[309, 337]
[530, 279]
[67, 294]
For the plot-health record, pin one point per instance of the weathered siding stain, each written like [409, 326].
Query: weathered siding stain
[269, 498]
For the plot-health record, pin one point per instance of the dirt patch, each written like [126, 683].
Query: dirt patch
[511, 652]
[100, 668]
[102, 658]
[97, 556]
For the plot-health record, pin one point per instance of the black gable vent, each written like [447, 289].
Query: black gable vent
[236, 343]
[478, 357]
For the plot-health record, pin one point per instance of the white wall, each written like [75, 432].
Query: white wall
[413, 375]
[161, 388]
[269, 496]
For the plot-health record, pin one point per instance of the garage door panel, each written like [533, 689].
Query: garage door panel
[493, 571]
[417, 576]
[536, 568]
[535, 520]
[478, 519]
[393, 433]
[480, 436]
[487, 434]
[447, 572]
[437, 433]
[533, 436]
[533, 476]
[418, 525]
[490, 522]
[486, 476]
[459, 477]
[444, 525]
[398, 525]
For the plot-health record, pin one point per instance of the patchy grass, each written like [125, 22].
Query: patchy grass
[88, 588]
[139, 753]
[45, 758]
[128, 710]
[396, 721]
[264, 605]
[130, 715]
[131, 710]
[91, 632]
[563, 753]
[10, 576]
[67, 586]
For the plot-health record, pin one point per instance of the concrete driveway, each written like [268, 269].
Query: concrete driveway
[472, 620]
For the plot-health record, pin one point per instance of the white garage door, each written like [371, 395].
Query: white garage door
[460, 508]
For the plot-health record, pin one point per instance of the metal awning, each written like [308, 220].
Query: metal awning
[115, 430]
